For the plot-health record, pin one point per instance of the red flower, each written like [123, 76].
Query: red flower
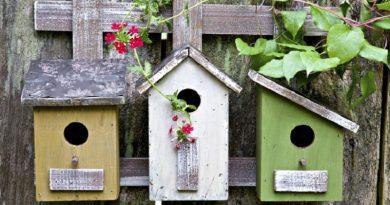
[187, 129]
[175, 118]
[133, 30]
[192, 140]
[120, 47]
[136, 42]
[118, 26]
[110, 37]
[177, 146]
[170, 131]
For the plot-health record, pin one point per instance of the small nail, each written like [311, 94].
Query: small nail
[302, 162]
[75, 160]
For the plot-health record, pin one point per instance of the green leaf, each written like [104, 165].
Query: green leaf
[268, 54]
[297, 46]
[314, 63]
[374, 53]
[275, 54]
[323, 19]
[244, 49]
[292, 64]
[367, 88]
[344, 7]
[293, 21]
[365, 12]
[344, 43]
[136, 69]
[148, 69]
[384, 6]
[273, 69]
[383, 23]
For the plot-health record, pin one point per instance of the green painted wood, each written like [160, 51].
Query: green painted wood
[276, 118]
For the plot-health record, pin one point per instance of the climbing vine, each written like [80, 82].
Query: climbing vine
[288, 56]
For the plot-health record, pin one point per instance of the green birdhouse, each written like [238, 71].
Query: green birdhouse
[299, 146]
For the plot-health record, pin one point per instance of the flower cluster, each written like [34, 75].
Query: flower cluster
[124, 37]
[181, 132]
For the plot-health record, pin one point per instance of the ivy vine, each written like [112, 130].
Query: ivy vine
[288, 55]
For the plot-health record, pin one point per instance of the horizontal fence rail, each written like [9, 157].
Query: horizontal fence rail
[217, 19]
[135, 171]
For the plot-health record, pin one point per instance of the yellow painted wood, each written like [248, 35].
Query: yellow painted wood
[100, 151]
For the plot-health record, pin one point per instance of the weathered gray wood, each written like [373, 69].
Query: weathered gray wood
[304, 102]
[300, 181]
[135, 172]
[76, 179]
[384, 180]
[217, 19]
[87, 29]
[187, 31]
[187, 167]
[173, 60]
[71, 82]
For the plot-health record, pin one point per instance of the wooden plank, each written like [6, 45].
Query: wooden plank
[135, 172]
[187, 30]
[76, 179]
[304, 102]
[173, 60]
[75, 82]
[215, 71]
[87, 29]
[300, 181]
[217, 19]
[187, 167]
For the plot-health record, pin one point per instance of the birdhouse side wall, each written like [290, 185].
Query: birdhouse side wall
[210, 122]
[276, 118]
[100, 151]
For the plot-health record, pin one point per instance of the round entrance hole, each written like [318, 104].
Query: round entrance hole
[191, 97]
[302, 136]
[76, 133]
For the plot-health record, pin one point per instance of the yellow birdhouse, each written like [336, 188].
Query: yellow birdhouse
[76, 128]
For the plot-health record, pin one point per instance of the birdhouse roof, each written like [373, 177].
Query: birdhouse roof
[303, 101]
[173, 60]
[74, 83]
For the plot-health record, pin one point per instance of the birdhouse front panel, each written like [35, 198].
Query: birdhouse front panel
[300, 154]
[76, 153]
[209, 153]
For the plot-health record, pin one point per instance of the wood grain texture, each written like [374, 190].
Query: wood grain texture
[216, 18]
[384, 180]
[100, 151]
[76, 179]
[304, 102]
[87, 29]
[71, 82]
[300, 181]
[211, 132]
[187, 167]
[187, 30]
[173, 60]
[135, 172]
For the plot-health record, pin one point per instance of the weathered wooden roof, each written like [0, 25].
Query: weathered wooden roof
[304, 102]
[173, 60]
[71, 82]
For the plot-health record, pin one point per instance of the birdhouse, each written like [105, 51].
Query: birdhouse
[299, 146]
[75, 106]
[196, 171]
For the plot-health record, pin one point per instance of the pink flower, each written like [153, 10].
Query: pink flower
[136, 42]
[133, 30]
[110, 37]
[175, 118]
[170, 131]
[177, 146]
[118, 26]
[120, 47]
[187, 129]
[192, 140]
